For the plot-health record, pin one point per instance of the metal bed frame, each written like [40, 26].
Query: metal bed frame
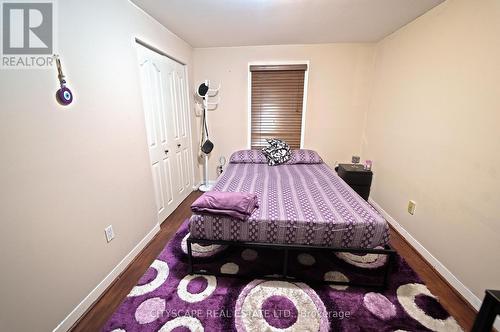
[286, 248]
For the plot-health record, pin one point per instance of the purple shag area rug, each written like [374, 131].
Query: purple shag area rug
[167, 298]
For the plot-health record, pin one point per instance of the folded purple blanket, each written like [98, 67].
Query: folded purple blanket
[234, 204]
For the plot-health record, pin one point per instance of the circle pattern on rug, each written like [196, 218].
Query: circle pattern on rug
[279, 312]
[299, 308]
[199, 250]
[379, 305]
[249, 254]
[150, 310]
[336, 276]
[148, 276]
[229, 268]
[162, 272]
[191, 291]
[406, 296]
[306, 259]
[368, 261]
[118, 330]
[431, 306]
[191, 323]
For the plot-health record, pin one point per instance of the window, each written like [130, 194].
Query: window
[277, 94]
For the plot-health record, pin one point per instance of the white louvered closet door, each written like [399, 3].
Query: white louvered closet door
[166, 111]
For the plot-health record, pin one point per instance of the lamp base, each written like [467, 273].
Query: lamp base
[206, 187]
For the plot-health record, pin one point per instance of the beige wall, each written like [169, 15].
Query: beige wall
[432, 131]
[337, 99]
[67, 173]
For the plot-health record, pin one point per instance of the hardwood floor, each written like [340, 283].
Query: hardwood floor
[104, 307]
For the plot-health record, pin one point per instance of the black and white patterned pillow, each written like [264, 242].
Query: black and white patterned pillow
[277, 153]
[277, 143]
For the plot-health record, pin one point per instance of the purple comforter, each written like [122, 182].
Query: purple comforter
[300, 204]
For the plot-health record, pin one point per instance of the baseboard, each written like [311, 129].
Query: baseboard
[454, 282]
[474, 301]
[80, 309]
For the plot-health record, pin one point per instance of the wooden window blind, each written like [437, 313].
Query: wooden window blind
[277, 98]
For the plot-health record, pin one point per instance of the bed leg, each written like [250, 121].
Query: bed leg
[390, 260]
[285, 263]
[190, 256]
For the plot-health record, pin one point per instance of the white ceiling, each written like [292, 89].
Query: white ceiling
[204, 23]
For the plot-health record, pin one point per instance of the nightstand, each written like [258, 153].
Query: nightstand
[489, 310]
[357, 177]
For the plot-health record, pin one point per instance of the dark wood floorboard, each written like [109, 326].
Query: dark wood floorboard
[103, 308]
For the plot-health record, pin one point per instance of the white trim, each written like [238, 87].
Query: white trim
[249, 94]
[80, 309]
[457, 284]
[454, 282]
[304, 106]
[249, 108]
[445, 273]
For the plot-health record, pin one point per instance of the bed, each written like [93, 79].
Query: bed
[301, 203]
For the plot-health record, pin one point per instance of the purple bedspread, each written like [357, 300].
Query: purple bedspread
[298, 204]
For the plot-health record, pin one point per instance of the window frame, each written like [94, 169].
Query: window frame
[304, 98]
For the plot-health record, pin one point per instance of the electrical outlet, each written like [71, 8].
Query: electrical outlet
[110, 234]
[411, 207]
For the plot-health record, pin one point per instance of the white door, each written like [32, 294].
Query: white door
[164, 92]
[182, 139]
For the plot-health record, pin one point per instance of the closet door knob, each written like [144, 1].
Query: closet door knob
[166, 151]
[179, 145]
